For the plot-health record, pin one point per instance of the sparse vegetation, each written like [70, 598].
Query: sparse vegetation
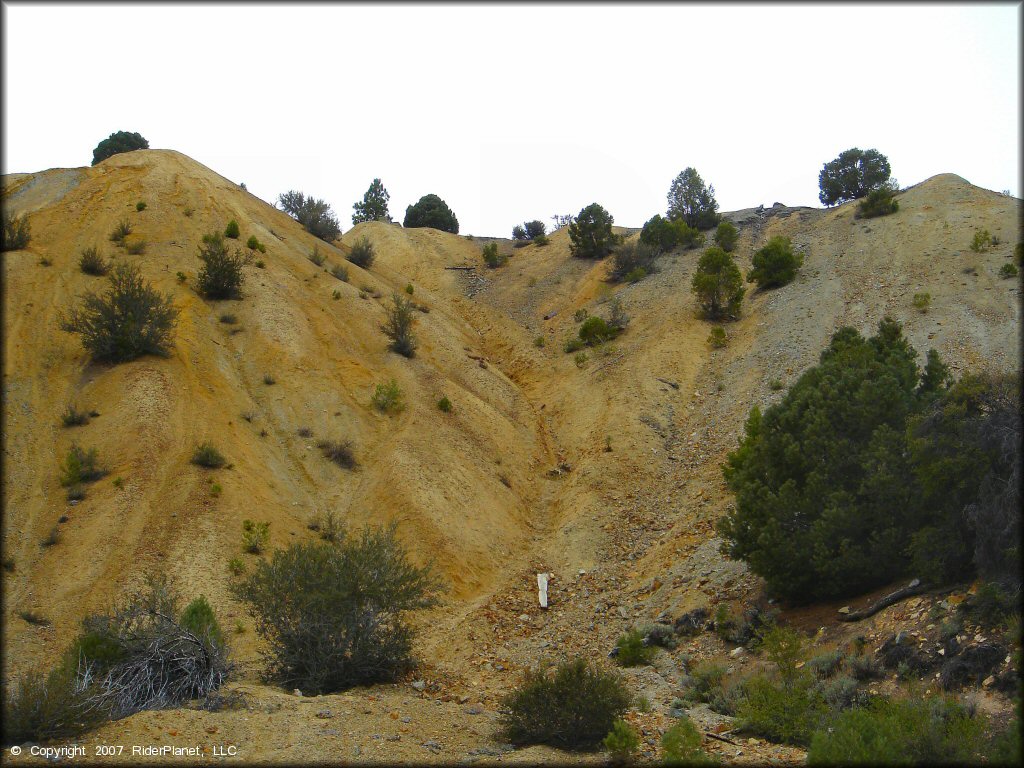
[255, 536]
[492, 258]
[333, 615]
[338, 451]
[718, 338]
[206, 455]
[775, 265]
[681, 745]
[387, 398]
[228, 319]
[92, 263]
[633, 650]
[878, 202]
[622, 741]
[981, 241]
[74, 418]
[128, 321]
[362, 253]
[922, 302]
[316, 257]
[340, 271]
[140, 206]
[632, 261]
[81, 466]
[444, 405]
[572, 709]
[398, 327]
[121, 231]
[1008, 270]
[269, 379]
[221, 274]
[314, 215]
[16, 232]
[136, 247]
[236, 566]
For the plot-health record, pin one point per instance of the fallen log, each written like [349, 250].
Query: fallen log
[720, 738]
[913, 588]
[672, 384]
[460, 267]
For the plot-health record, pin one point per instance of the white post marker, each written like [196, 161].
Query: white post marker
[542, 588]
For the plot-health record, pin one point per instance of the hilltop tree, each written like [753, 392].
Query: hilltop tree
[693, 202]
[373, 206]
[314, 215]
[718, 284]
[658, 233]
[431, 211]
[852, 175]
[590, 233]
[116, 143]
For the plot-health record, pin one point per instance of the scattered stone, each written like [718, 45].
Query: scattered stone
[324, 714]
[297, 692]
[473, 709]
[844, 610]
[419, 685]
[431, 744]
[735, 653]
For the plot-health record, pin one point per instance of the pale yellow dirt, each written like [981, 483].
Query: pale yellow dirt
[627, 533]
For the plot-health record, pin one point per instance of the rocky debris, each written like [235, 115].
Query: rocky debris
[972, 665]
[693, 622]
[324, 714]
[419, 685]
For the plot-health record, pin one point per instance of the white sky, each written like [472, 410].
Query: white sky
[515, 112]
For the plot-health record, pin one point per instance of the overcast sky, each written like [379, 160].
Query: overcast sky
[515, 112]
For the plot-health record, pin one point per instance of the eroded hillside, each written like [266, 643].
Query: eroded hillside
[604, 473]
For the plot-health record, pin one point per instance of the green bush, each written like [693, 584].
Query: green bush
[922, 302]
[590, 233]
[73, 417]
[775, 265]
[431, 211]
[398, 327]
[596, 330]
[681, 745]
[444, 405]
[198, 618]
[631, 259]
[492, 258]
[622, 741]
[362, 253]
[991, 606]
[314, 215]
[1008, 270]
[136, 248]
[879, 202]
[253, 244]
[47, 707]
[912, 731]
[255, 536]
[16, 232]
[121, 231]
[387, 398]
[116, 143]
[534, 229]
[140, 206]
[339, 451]
[540, 240]
[333, 615]
[718, 284]
[340, 272]
[81, 466]
[316, 257]
[834, 516]
[236, 566]
[981, 240]
[787, 712]
[718, 338]
[705, 680]
[574, 708]
[690, 200]
[852, 175]
[221, 274]
[91, 263]
[659, 233]
[686, 236]
[573, 344]
[632, 650]
[726, 236]
[825, 665]
[206, 455]
[373, 206]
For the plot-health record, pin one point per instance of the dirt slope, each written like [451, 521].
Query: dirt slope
[519, 478]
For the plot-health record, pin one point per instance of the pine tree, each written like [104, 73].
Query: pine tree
[373, 206]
